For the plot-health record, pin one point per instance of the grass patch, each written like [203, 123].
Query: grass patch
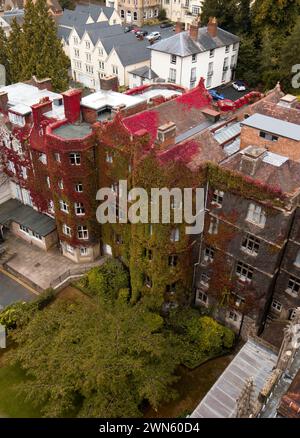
[12, 404]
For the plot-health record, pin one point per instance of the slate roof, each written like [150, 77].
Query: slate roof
[18, 14]
[144, 72]
[253, 360]
[63, 33]
[13, 210]
[181, 44]
[80, 15]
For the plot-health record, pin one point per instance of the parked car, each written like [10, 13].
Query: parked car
[136, 30]
[239, 86]
[165, 24]
[216, 95]
[153, 36]
[141, 33]
[128, 28]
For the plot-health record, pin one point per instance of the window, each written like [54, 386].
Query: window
[237, 299]
[148, 281]
[75, 39]
[204, 279]
[48, 181]
[276, 305]
[24, 229]
[24, 172]
[218, 198]
[84, 251]
[172, 74]
[100, 51]
[267, 136]
[213, 226]
[208, 82]
[61, 184]
[297, 261]
[101, 65]
[78, 65]
[148, 253]
[79, 209]
[79, 188]
[115, 69]
[43, 158]
[202, 296]
[244, 271]
[227, 48]
[193, 75]
[76, 53]
[67, 230]
[173, 59]
[36, 235]
[235, 46]
[87, 45]
[256, 215]
[64, 206]
[82, 232]
[51, 206]
[212, 53]
[122, 13]
[194, 58]
[173, 260]
[171, 288]
[293, 286]
[209, 254]
[134, 16]
[292, 314]
[88, 57]
[233, 316]
[251, 244]
[57, 157]
[74, 158]
[175, 235]
[69, 249]
[195, 10]
[89, 69]
[109, 157]
[11, 166]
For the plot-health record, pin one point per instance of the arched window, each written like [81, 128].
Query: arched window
[135, 16]
[122, 13]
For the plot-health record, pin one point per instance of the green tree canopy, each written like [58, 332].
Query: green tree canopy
[14, 51]
[290, 56]
[95, 360]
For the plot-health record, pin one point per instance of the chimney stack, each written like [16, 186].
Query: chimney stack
[166, 135]
[193, 31]
[178, 27]
[39, 109]
[252, 157]
[109, 83]
[72, 99]
[212, 27]
[3, 101]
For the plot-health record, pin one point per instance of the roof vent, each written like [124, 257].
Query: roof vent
[252, 156]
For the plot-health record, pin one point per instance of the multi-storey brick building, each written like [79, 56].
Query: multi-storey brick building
[138, 11]
[66, 148]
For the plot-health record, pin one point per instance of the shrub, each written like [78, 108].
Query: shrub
[108, 279]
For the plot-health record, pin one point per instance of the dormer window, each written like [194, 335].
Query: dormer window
[173, 59]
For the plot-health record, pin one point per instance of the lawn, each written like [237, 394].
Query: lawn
[12, 404]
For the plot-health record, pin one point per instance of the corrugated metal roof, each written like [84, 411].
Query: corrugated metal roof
[253, 360]
[13, 210]
[273, 126]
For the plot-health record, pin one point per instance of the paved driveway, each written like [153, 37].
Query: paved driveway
[11, 291]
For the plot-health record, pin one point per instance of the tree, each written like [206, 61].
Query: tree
[162, 15]
[108, 279]
[223, 10]
[279, 16]
[290, 56]
[14, 51]
[249, 61]
[94, 360]
[3, 53]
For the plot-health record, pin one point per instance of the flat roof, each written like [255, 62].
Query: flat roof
[273, 126]
[253, 360]
[103, 98]
[14, 211]
[22, 96]
[72, 131]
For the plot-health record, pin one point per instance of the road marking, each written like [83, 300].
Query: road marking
[17, 280]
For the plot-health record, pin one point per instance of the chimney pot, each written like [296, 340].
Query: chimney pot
[193, 31]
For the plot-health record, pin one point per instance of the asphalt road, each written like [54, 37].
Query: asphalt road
[12, 291]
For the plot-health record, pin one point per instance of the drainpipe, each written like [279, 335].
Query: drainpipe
[181, 71]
